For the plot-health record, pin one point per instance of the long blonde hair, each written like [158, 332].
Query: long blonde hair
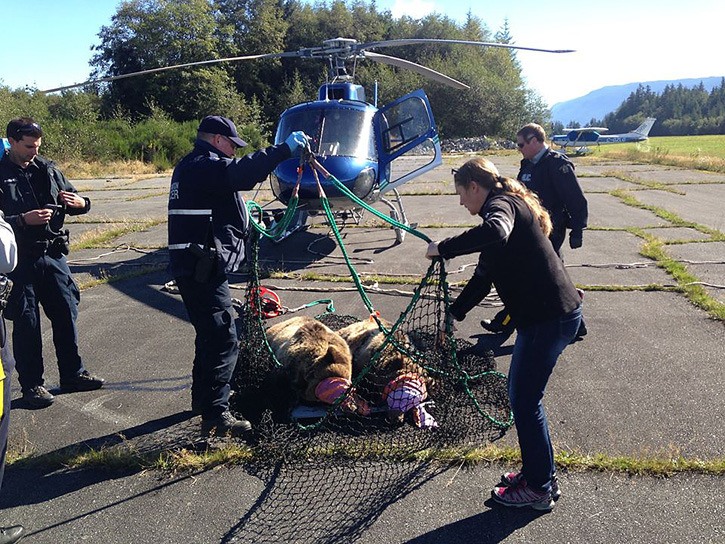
[484, 173]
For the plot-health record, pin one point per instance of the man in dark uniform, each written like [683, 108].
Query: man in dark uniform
[35, 197]
[550, 174]
[8, 260]
[208, 224]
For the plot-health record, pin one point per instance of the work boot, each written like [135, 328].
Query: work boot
[8, 535]
[84, 381]
[225, 424]
[38, 397]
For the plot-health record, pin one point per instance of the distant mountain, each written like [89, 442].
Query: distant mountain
[597, 104]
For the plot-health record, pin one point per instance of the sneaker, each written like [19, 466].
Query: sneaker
[84, 381]
[522, 495]
[38, 397]
[225, 424]
[512, 479]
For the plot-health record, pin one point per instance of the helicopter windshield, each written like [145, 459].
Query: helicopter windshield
[335, 131]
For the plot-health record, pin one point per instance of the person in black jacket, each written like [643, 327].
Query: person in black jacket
[207, 228]
[516, 256]
[35, 197]
[550, 174]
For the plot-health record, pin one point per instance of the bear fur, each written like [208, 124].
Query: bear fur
[309, 353]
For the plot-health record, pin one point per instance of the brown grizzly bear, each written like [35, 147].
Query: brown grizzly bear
[317, 360]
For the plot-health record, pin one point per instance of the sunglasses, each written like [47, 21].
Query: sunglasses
[520, 145]
[228, 139]
[32, 128]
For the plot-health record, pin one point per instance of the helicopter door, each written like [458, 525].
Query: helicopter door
[407, 140]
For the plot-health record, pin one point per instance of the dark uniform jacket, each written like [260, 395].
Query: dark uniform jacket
[553, 179]
[518, 259]
[22, 190]
[206, 207]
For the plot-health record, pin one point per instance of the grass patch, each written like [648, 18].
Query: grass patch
[694, 152]
[97, 170]
[124, 457]
[105, 277]
[669, 216]
[102, 236]
[654, 249]
[643, 183]
[147, 195]
[332, 278]
[650, 287]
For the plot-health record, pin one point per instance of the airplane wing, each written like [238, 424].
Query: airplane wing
[587, 129]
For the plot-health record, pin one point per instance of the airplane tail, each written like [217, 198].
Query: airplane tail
[645, 127]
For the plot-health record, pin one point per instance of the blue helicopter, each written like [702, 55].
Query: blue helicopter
[358, 142]
[354, 140]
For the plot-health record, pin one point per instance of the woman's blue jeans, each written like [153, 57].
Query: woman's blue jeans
[536, 350]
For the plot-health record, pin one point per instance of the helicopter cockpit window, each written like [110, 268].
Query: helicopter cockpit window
[343, 132]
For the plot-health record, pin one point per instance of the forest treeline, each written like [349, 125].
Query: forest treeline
[680, 111]
[153, 117]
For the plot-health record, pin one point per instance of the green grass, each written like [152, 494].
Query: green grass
[698, 152]
[654, 248]
[124, 457]
[102, 236]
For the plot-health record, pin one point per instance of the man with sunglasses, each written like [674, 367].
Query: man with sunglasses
[550, 174]
[35, 197]
[208, 225]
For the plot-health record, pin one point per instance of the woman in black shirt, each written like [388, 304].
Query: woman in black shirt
[516, 256]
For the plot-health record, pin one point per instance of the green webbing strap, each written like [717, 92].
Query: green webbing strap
[280, 227]
[352, 196]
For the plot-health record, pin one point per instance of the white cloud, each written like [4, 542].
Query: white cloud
[412, 8]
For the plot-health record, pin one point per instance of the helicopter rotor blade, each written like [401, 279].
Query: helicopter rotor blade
[414, 41]
[164, 68]
[418, 68]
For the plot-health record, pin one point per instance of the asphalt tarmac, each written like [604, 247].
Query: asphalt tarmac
[646, 382]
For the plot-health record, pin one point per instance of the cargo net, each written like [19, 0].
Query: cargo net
[336, 451]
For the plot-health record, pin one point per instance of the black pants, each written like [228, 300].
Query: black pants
[210, 310]
[45, 281]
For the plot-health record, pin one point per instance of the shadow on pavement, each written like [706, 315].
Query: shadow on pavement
[45, 477]
[489, 527]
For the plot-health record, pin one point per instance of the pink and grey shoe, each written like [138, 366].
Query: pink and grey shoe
[513, 478]
[520, 495]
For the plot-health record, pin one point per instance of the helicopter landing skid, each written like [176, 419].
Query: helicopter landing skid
[398, 215]
[299, 222]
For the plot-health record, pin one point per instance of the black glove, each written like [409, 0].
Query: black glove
[576, 239]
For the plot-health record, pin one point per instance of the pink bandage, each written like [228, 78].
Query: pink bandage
[407, 392]
[331, 389]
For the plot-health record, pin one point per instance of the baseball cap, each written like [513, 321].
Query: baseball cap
[216, 124]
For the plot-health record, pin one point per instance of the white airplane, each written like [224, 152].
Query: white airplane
[581, 138]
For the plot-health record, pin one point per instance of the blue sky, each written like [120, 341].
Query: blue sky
[48, 42]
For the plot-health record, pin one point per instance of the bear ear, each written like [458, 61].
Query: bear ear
[336, 354]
